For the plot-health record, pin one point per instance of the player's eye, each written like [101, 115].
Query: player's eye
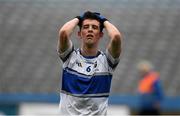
[85, 26]
[95, 27]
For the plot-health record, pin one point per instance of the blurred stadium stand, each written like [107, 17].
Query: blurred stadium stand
[28, 37]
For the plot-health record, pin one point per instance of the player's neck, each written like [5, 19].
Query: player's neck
[85, 51]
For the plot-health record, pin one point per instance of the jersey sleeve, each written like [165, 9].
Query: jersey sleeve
[112, 62]
[65, 55]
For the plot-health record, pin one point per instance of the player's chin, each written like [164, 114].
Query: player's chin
[89, 38]
[89, 41]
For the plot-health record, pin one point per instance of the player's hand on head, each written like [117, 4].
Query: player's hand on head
[80, 17]
[101, 17]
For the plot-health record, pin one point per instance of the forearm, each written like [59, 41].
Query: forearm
[69, 27]
[114, 45]
[65, 33]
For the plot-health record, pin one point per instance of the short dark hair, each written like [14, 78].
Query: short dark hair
[91, 15]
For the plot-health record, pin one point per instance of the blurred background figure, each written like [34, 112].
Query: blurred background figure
[149, 89]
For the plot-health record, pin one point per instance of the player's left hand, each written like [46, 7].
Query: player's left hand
[102, 18]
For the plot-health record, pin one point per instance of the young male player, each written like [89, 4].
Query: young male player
[87, 72]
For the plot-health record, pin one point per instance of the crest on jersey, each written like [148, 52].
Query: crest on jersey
[79, 63]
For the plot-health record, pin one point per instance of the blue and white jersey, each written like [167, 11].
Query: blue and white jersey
[86, 82]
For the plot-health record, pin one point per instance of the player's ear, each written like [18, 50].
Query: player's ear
[101, 34]
[79, 34]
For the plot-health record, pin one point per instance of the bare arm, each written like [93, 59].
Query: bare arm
[114, 46]
[65, 32]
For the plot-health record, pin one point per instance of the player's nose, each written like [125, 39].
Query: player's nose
[90, 28]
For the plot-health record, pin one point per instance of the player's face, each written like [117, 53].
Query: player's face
[90, 32]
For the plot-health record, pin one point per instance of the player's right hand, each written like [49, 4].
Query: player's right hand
[80, 17]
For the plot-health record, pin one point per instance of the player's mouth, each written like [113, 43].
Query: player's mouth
[89, 36]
